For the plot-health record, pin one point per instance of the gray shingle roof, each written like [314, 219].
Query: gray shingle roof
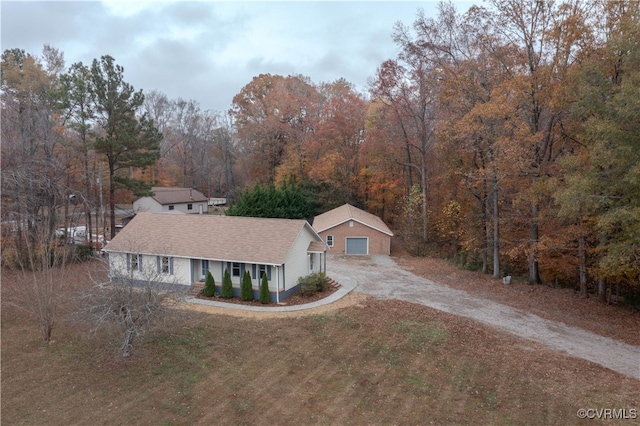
[227, 238]
[347, 212]
[167, 195]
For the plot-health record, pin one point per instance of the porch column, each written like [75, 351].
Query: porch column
[277, 284]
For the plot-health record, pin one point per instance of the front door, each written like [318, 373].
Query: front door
[204, 268]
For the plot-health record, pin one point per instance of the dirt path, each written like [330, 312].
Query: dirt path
[382, 278]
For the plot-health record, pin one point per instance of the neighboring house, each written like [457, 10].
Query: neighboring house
[350, 230]
[185, 200]
[179, 249]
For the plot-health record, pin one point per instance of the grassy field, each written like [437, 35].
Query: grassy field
[383, 362]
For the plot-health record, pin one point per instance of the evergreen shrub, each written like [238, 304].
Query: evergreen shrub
[209, 285]
[313, 283]
[246, 290]
[227, 288]
[265, 297]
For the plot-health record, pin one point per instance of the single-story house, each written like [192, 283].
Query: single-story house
[350, 230]
[185, 200]
[179, 249]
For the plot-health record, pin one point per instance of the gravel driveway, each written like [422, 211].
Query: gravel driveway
[381, 277]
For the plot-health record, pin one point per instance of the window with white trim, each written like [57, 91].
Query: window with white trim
[330, 240]
[136, 264]
[189, 206]
[164, 265]
[235, 269]
[262, 270]
[171, 207]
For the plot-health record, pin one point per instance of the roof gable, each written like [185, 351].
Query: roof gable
[347, 212]
[226, 238]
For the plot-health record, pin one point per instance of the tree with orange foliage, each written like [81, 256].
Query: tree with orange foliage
[273, 116]
[332, 149]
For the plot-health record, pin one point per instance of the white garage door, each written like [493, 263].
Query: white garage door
[358, 245]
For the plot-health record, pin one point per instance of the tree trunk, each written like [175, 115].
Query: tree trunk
[425, 216]
[496, 230]
[487, 235]
[87, 192]
[602, 290]
[112, 201]
[127, 345]
[534, 273]
[582, 257]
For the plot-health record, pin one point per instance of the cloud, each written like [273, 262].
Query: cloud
[208, 50]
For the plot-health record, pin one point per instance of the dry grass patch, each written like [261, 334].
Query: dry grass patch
[381, 362]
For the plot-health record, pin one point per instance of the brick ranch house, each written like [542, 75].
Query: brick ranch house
[350, 230]
[169, 199]
[179, 249]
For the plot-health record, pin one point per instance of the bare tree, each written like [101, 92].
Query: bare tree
[139, 296]
[39, 263]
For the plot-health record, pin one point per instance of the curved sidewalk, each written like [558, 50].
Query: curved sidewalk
[346, 286]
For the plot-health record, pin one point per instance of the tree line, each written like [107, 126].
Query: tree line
[508, 136]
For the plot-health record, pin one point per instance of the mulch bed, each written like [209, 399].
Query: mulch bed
[293, 300]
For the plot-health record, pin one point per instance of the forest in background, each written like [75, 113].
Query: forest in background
[507, 136]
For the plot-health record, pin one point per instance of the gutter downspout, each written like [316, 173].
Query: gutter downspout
[277, 284]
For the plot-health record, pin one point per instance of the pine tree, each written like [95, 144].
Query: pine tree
[127, 139]
[265, 297]
[227, 288]
[246, 290]
[209, 285]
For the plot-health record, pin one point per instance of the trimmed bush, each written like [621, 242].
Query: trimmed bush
[246, 290]
[227, 288]
[265, 297]
[209, 285]
[313, 283]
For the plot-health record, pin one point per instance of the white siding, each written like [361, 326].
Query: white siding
[120, 267]
[148, 204]
[181, 271]
[183, 208]
[297, 260]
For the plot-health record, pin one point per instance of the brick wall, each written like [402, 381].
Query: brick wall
[379, 243]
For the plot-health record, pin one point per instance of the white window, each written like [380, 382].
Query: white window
[189, 206]
[171, 207]
[136, 262]
[257, 271]
[330, 240]
[165, 265]
[235, 269]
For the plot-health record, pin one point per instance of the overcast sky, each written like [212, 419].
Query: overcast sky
[208, 50]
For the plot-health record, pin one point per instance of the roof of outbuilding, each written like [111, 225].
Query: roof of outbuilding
[171, 195]
[226, 238]
[348, 212]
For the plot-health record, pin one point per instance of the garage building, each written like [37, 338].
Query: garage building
[350, 230]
